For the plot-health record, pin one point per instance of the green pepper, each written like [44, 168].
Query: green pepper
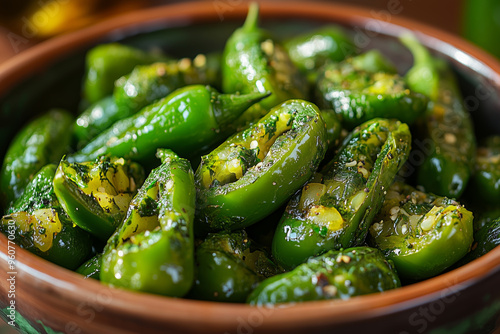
[255, 171]
[486, 179]
[42, 141]
[253, 62]
[334, 275]
[228, 267]
[95, 119]
[96, 195]
[188, 121]
[106, 63]
[311, 50]
[447, 125]
[485, 240]
[148, 83]
[152, 250]
[335, 211]
[91, 268]
[41, 226]
[423, 234]
[359, 89]
[333, 128]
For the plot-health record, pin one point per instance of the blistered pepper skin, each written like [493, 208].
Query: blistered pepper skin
[229, 267]
[421, 233]
[189, 121]
[335, 210]
[42, 141]
[334, 275]
[106, 63]
[158, 227]
[41, 226]
[485, 183]
[263, 165]
[253, 62]
[447, 125]
[361, 88]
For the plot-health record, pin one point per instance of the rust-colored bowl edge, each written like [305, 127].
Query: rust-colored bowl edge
[35, 274]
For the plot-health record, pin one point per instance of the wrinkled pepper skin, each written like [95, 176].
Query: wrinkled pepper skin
[148, 83]
[253, 62]
[106, 63]
[91, 268]
[486, 178]
[96, 195]
[42, 141]
[335, 211]
[229, 267]
[485, 240]
[263, 165]
[312, 50]
[41, 226]
[334, 275]
[189, 120]
[358, 94]
[153, 249]
[448, 126]
[422, 234]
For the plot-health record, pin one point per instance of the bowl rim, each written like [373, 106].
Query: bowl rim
[33, 268]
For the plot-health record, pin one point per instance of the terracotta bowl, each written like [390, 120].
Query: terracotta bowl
[464, 300]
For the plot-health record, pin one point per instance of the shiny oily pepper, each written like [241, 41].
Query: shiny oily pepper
[333, 275]
[413, 227]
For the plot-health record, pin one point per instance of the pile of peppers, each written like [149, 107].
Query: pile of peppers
[270, 172]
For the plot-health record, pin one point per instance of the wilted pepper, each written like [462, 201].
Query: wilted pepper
[423, 234]
[96, 195]
[152, 250]
[229, 267]
[446, 170]
[334, 275]
[41, 226]
[486, 179]
[255, 171]
[42, 141]
[188, 121]
[336, 211]
[106, 63]
[253, 62]
[485, 240]
[361, 88]
[311, 50]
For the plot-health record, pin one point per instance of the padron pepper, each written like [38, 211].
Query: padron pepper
[336, 209]
[253, 62]
[334, 275]
[41, 226]
[91, 268]
[255, 171]
[363, 88]
[189, 120]
[152, 250]
[106, 63]
[448, 126]
[228, 267]
[311, 50]
[485, 239]
[42, 141]
[96, 195]
[423, 234]
[486, 179]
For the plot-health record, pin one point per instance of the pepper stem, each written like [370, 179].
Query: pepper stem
[228, 107]
[252, 17]
[423, 77]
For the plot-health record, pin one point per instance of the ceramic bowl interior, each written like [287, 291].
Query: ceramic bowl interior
[50, 75]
